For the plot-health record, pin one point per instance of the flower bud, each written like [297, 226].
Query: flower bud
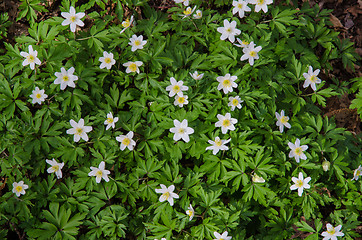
[257, 179]
[326, 165]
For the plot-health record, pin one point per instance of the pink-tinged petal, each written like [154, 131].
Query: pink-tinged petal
[306, 84]
[79, 23]
[297, 143]
[71, 131]
[171, 188]
[300, 176]
[71, 84]
[186, 137]
[24, 54]
[66, 22]
[80, 15]
[76, 138]
[73, 123]
[123, 147]
[130, 135]
[170, 200]
[162, 198]
[174, 195]
[293, 187]
[304, 147]
[98, 179]
[87, 128]
[105, 177]
[72, 10]
[73, 27]
[300, 191]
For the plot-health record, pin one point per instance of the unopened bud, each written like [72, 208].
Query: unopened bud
[326, 165]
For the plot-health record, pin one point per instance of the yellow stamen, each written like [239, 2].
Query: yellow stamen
[226, 83]
[299, 183]
[126, 23]
[55, 168]
[99, 173]
[137, 43]
[166, 195]
[331, 231]
[38, 95]
[79, 131]
[235, 102]
[284, 119]
[298, 151]
[65, 78]
[252, 54]
[226, 123]
[181, 130]
[176, 88]
[110, 120]
[240, 5]
[313, 78]
[31, 58]
[133, 67]
[181, 99]
[218, 142]
[107, 60]
[72, 19]
[19, 188]
[126, 141]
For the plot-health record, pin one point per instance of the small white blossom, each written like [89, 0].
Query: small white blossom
[257, 179]
[167, 193]
[261, 4]
[241, 7]
[223, 236]
[126, 24]
[357, 172]
[226, 122]
[55, 167]
[110, 121]
[99, 173]
[196, 75]
[72, 19]
[65, 78]
[297, 150]
[235, 102]
[332, 232]
[180, 101]
[227, 83]
[185, 2]
[190, 212]
[188, 12]
[107, 61]
[19, 188]
[198, 14]
[176, 88]
[228, 31]
[181, 130]
[242, 43]
[282, 121]
[251, 53]
[300, 183]
[38, 96]
[137, 42]
[30, 58]
[218, 145]
[79, 130]
[311, 78]
[126, 141]
[133, 66]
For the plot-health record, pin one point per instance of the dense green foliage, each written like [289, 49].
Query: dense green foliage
[219, 187]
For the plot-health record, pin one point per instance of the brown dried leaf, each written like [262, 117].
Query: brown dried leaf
[335, 21]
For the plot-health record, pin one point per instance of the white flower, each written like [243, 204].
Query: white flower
[226, 83]
[79, 130]
[185, 2]
[261, 4]
[190, 212]
[311, 78]
[224, 236]
[257, 179]
[297, 150]
[357, 172]
[282, 121]
[65, 78]
[218, 145]
[198, 14]
[72, 18]
[110, 121]
[226, 123]
[300, 184]
[176, 88]
[126, 141]
[235, 102]
[251, 53]
[242, 43]
[55, 167]
[332, 233]
[188, 11]
[167, 193]
[30, 58]
[180, 101]
[99, 173]
[38, 96]
[133, 66]
[241, 7]
[228, 31]
[196, 75]
[181, 130]
[19, 188]
[126, 24]
[107, 60]
[137, 42]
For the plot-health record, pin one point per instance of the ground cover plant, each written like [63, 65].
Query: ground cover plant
[203, 120]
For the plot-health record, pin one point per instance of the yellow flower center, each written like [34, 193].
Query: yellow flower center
[283, 119]
[199, 14]
[133, 67]
[189, 212]
[226, 123]
[55, 168]
[244, 42]
[79, 131]
[181, 99]
[137, 42]
[107, 60]
[229, 30]
[313, 78]
[235, 102]
[38, 95]
[126, 23]
[19, 188]
[298, 151]
[226, 83]
[65, 78]
[188, 11]
[299, 183]
[166, 195]
[358, 172]
[31, 58]
[176, 88]
[126, 141]
[260, 2]
[218, 142]
[240, 5]
[331, 231]
[110, 120]
[252, 54]
[181, 130]
[99, 173]
[72, 19]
